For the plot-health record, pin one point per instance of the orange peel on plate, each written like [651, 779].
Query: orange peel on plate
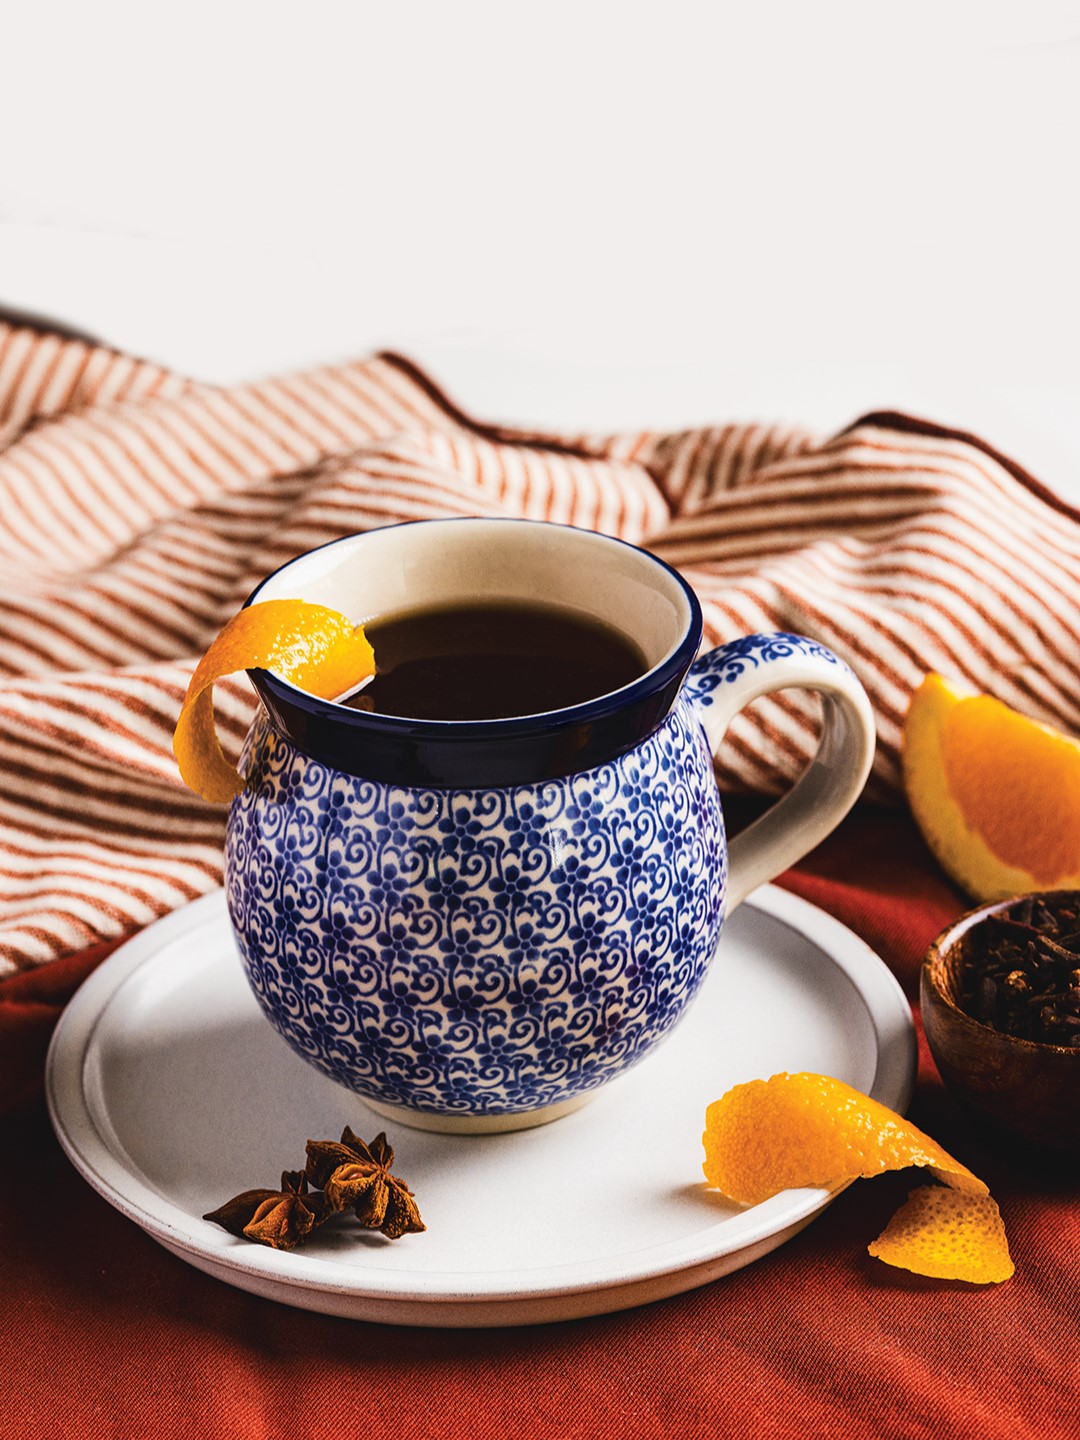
[316, 649]
[811, 1130]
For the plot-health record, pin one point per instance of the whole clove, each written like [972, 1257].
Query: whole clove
[1021, 970]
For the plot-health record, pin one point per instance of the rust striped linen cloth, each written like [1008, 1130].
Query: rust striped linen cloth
[138, 509]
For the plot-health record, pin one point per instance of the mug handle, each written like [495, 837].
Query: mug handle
[725, 680]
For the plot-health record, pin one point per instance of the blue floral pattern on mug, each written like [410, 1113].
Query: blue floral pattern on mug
[722, 666]
[478, 952]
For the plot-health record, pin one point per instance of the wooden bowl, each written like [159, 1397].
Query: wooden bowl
[1025, 1090]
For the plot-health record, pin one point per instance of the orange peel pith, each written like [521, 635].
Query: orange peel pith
[812, 1130]
[995, 793]
[315, 648]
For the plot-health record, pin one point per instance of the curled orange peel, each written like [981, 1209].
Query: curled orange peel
[317, 649]
[811, 1130]
[949, 1235]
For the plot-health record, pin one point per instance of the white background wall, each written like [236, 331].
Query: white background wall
[581, 213]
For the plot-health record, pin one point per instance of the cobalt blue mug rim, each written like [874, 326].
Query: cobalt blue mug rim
[473, 754]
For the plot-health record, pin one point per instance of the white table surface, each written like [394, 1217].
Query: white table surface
[581, 216]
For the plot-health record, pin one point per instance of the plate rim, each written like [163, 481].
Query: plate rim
[262, 1269]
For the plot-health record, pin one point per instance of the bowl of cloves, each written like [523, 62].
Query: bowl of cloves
[1000, 991]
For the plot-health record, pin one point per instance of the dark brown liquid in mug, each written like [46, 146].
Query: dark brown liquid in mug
[491, 661]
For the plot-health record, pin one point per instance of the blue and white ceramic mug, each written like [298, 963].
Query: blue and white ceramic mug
[476, 924]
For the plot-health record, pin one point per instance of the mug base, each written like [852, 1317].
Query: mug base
[476, 1124]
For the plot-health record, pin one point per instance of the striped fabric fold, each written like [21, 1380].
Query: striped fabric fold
[138, 509]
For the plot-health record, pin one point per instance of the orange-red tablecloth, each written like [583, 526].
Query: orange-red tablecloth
[106, 1334]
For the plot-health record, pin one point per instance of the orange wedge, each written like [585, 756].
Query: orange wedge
[811, 1130]
[996, 794]
[316, 649]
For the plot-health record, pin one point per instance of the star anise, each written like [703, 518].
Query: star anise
[279, 1218]
[356, 1176]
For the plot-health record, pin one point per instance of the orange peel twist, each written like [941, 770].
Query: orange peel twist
[811, 1130]
[313, 647]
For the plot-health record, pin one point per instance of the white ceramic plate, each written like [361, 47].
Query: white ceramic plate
[170, 1093]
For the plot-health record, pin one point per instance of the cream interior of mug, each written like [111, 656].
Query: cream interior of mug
[439, 562]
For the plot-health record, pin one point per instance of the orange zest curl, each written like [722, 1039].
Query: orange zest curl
[946, 1234]
[811, 1130]
[317, 649]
